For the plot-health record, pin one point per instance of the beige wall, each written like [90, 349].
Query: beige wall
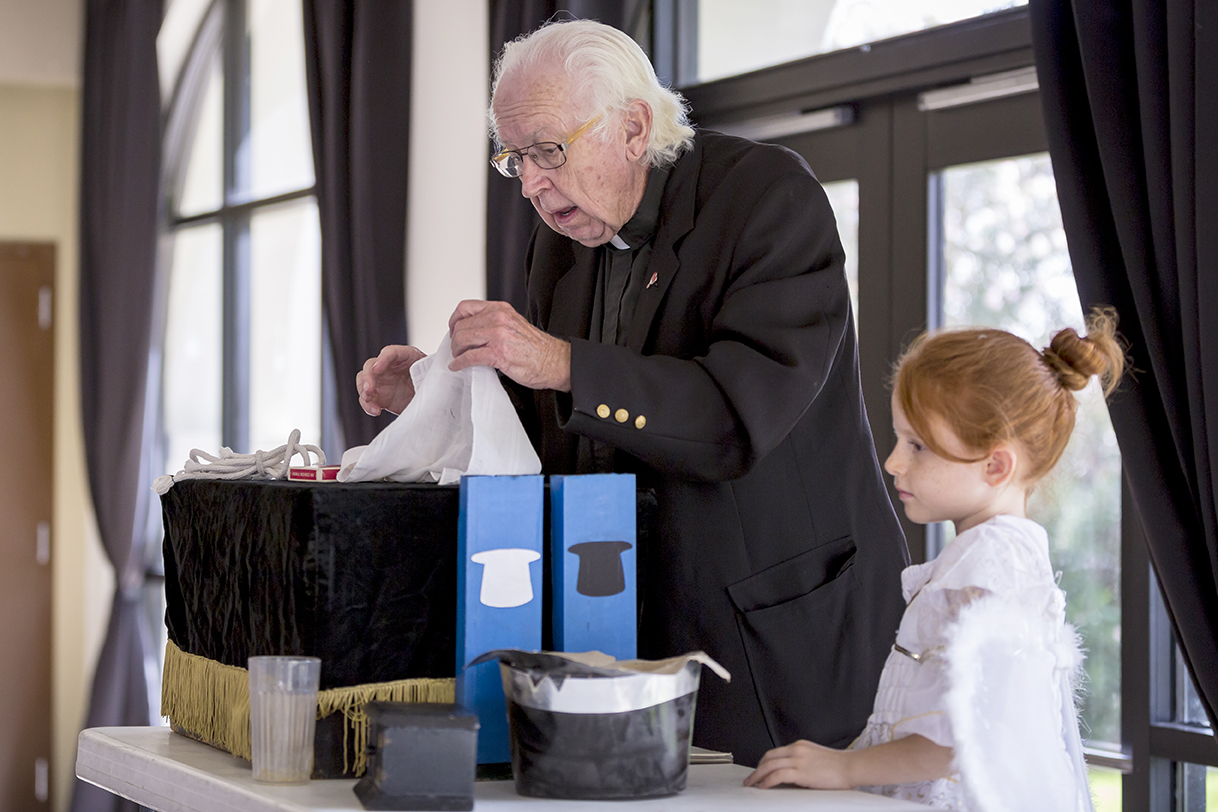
[38, 197]
[39, 148]
[40, 42]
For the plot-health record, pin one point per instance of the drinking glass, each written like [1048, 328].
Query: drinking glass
[283, 717]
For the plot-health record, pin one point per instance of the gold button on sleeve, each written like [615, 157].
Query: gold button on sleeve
[602, 411]
[640, 421]
[621, 415]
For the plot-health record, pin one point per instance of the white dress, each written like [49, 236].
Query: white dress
[1005, 561]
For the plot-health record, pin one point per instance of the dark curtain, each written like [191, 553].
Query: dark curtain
[510, 218]
[1128, 93]
[357, 61]
[119, 183]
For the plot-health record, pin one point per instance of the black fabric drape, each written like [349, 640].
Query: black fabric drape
[357, 61]
[1127, 89]
[510, 218]
[119, 184]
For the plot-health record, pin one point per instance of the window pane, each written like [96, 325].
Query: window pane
[285, 325]
[203, 187]
[1196, 787]
[844, 198]
[279, 144]
[1105, 789]
[735, 38]
[193, 352]
[178, 29]
[1006, 266]
[1188, 705]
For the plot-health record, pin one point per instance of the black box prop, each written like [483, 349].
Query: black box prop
[362, 575]
[420, 756]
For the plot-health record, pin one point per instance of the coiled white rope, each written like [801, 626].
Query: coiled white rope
[272, 464]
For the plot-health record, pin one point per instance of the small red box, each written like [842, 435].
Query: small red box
[314, 473]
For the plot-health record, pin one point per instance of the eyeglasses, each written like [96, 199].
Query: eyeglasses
[545, 154]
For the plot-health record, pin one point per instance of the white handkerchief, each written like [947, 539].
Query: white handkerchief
[458, 423]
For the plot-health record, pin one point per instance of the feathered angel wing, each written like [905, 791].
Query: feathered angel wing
[1011, 703]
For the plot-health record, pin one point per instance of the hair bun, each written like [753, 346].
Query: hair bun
[1072, 359]
[1075, 359]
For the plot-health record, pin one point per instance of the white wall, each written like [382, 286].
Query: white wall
[446, 207]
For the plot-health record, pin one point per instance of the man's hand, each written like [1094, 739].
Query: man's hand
[494, 334]
[384, 382]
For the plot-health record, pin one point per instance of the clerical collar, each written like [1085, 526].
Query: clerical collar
[640, 228]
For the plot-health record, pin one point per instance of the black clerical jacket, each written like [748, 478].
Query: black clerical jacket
[737, 398]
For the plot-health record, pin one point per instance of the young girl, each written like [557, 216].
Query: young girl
[980, 417]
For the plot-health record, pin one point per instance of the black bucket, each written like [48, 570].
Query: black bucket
[640, 753]
[598, 733]
[586, 726]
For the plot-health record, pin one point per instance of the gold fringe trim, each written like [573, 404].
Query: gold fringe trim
[210, 701]
[207, 699]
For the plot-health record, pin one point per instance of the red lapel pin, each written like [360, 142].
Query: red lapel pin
[654, 276]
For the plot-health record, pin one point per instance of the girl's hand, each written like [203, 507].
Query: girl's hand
[803, 763]
[905, 760]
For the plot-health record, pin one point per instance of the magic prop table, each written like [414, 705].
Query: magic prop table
[160, 769]
[362, 575]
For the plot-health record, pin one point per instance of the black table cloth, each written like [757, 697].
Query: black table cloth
[361, 575]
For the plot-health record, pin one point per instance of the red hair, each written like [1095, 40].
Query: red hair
[990, 387]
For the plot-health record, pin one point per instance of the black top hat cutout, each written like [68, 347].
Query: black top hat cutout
[600, 567]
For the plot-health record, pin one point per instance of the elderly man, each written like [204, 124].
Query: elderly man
[689, 321]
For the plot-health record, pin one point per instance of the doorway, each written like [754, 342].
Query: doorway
[27, 272]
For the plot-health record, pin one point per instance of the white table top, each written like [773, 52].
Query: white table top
[158, 768]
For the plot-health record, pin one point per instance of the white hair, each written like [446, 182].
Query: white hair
[607, 70]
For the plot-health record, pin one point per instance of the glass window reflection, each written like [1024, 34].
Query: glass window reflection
[1189, 709]
[285, 325]
[203, 184]
[279, 145]
[193, 351]
[732, 41]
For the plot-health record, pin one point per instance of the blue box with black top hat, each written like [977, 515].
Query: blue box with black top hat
[593, 555]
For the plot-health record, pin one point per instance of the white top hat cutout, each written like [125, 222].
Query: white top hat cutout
[505, 576]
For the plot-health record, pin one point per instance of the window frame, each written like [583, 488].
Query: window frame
[906, 146]
[223, 33]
